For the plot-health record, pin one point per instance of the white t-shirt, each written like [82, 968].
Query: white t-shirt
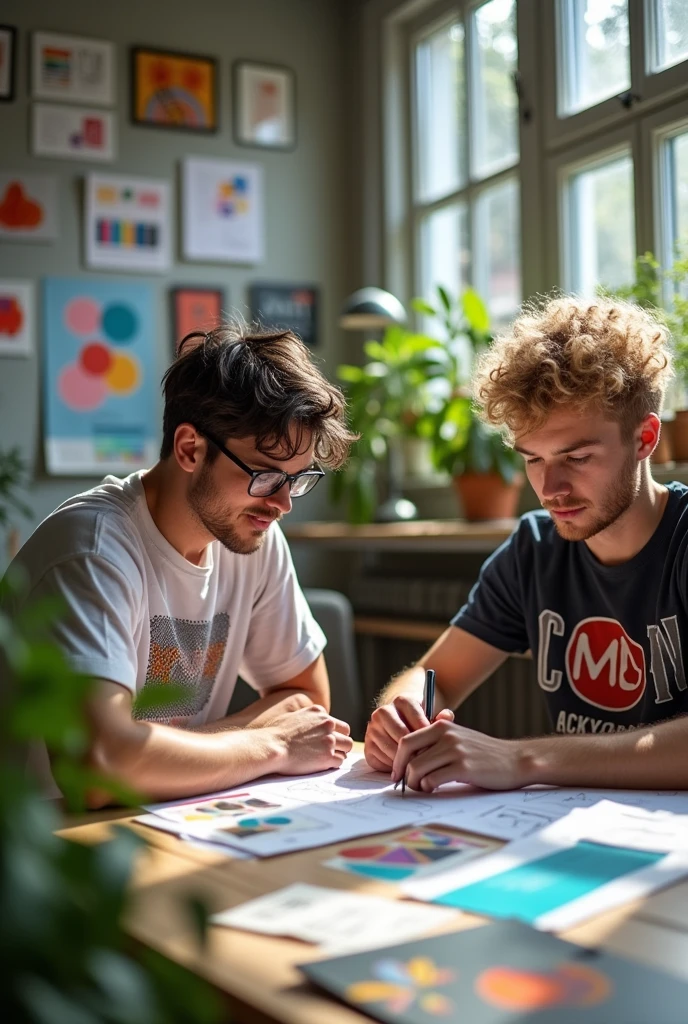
[139, 612]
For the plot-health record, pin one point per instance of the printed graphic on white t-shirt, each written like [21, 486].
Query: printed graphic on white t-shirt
[189, 654]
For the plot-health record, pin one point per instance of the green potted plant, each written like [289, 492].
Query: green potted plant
[484, 470]
[650, 288]
[388, 399]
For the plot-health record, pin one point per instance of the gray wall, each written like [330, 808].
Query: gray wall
[307, 196]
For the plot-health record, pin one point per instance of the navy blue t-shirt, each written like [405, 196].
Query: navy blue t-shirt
[607, 640]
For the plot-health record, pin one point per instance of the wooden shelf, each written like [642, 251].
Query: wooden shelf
[401, 629]
[416, 535]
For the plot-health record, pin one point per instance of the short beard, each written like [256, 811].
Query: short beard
[622, 493]
[205, 505]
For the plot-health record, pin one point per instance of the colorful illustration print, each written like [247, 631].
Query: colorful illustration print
[174, 90]
[519, 990]
[399, 985]
[286, 821]
[18, 210]
[411, 854]
[187, 653]
[233, 805]
[102, 367]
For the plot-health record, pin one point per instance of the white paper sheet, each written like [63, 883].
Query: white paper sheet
[335, 919]
[611, 823]
[354, 801]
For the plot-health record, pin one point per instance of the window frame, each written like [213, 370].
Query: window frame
[473, 186]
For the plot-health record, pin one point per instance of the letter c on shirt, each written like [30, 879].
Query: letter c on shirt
[548, 623]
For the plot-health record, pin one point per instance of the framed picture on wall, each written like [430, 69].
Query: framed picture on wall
[77, 133]
[127, 223]
[195, 309]
[290, 306]
[8, 42]
[16, 318]
[173, 90]
[28, 207]
[264, 105]
[72, 69]
[222, 211]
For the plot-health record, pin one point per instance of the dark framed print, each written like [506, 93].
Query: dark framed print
[264, 105]
[195, 309]
[287, 306]
[8, 48]
[173, 90]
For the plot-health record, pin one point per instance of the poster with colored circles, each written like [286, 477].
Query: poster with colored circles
[99, 377]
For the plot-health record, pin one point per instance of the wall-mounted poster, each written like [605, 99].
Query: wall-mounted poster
[195, 309]
[28, 206]
[173, 90]
[8, 40]
[16, 318]
[78, 133]
[73, 69]
[222, 210]
[294, 306]
[98, 377]
[127, 223]
[264, 105]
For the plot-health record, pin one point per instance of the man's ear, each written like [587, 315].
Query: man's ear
[188, 447]
[648, 435]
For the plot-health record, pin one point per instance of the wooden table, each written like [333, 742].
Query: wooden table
[258, 973]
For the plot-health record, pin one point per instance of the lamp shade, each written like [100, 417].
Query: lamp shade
[370, 308]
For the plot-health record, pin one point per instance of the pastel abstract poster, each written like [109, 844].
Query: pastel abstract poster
[16, 318]
[28, 207]
[99, 377]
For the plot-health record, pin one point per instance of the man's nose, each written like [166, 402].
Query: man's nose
[555, 482]
[281, 499]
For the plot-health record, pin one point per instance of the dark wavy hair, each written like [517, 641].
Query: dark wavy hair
[247, 381]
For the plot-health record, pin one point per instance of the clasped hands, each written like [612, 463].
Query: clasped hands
[400, 739]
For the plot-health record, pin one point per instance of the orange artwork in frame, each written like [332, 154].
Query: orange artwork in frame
[174, 90]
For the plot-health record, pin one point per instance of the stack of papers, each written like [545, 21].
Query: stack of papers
[588, 862]
[280, 815]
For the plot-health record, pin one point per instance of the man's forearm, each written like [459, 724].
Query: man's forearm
[655, 757]
[163, 763]
[410, 683]
[260, 712]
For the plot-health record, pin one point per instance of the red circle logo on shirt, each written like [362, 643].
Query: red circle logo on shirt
[605, 666]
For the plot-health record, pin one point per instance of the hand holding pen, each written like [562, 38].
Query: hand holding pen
[428, 708]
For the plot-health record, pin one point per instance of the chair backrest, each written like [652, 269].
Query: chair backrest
[334, 614]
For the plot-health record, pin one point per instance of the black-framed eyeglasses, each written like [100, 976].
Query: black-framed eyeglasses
[265, 482]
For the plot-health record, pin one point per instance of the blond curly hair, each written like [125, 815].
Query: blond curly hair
[567, 352]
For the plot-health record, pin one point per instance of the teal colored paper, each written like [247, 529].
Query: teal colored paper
[542, 885]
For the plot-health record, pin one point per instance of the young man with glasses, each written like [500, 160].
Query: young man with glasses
[153, 573]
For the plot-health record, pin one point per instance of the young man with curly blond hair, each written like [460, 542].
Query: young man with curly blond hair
[595, 585]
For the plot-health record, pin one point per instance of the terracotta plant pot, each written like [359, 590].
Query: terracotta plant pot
[680, 437]
[664, 452]
[487, 496]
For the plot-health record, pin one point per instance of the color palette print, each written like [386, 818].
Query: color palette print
[416, 853]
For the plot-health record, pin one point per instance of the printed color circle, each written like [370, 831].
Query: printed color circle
[95, 358]
[120, 322]
[123, 375]
[82, 316]
[79, 390]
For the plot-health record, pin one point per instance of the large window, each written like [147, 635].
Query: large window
[543, 145]
[465, 188]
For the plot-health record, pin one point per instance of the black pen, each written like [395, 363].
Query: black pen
[428, 706]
